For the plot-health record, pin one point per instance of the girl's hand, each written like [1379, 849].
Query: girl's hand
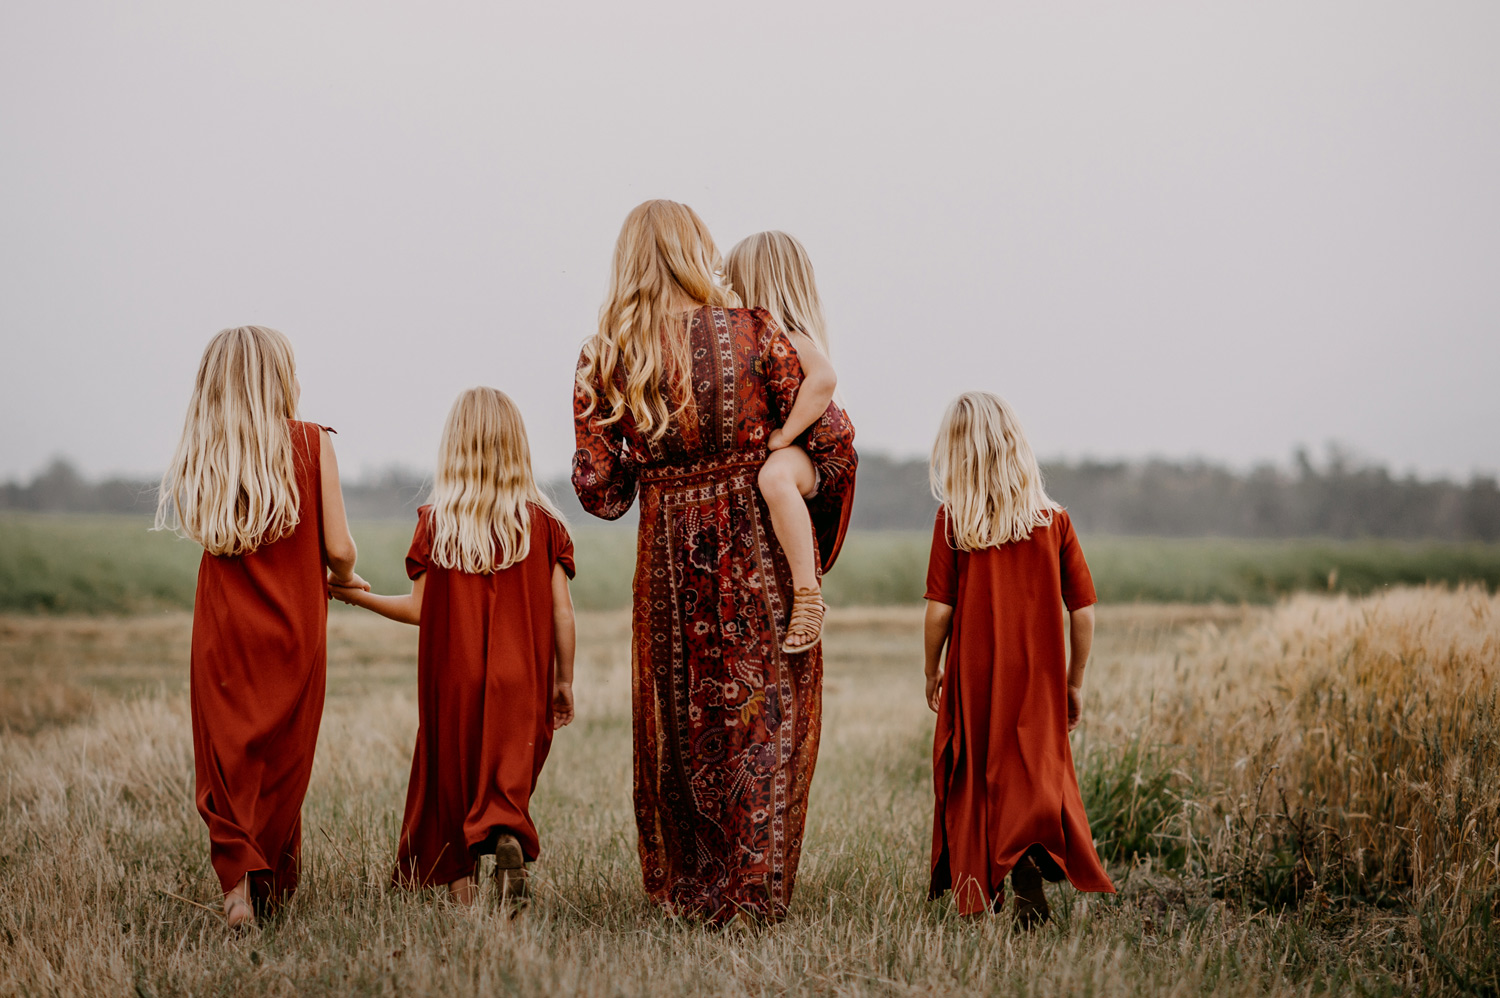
[562, 705]
[934, 690]
[344, 594]
[1075, 706]
[350, 581]
[778, 440]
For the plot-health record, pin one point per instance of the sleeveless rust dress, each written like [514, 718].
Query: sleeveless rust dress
[258, 671]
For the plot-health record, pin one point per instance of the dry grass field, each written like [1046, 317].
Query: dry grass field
[1296, 799]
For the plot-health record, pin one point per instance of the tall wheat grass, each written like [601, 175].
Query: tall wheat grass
[1294, 800]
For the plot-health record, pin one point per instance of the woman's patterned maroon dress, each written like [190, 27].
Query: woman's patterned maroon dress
[726, 725]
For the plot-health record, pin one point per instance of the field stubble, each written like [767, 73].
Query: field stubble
[1296, 799]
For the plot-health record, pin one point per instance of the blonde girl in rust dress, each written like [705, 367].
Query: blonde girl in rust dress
[1005, 568]
[489, 563]
[260, 491]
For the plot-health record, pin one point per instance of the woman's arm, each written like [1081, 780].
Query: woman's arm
[819, 381]
[936, 626]
[604, 480]
[1081, 638]
[564, 642]
[338, 542]
[405, 609]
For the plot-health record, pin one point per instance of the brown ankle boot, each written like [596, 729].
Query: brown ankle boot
[1031, 899]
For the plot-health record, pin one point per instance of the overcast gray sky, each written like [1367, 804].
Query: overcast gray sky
[1175, 229]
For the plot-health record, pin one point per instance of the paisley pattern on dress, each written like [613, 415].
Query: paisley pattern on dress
[726, 725]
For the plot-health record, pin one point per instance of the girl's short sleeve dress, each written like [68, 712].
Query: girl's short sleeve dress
[1002, 763]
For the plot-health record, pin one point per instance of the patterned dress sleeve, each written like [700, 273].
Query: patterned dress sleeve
[1077, 582]
[942, 564]
[603, 475]
[419, 555]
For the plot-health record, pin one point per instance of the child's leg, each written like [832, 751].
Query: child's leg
[785, 478]
[463, 890]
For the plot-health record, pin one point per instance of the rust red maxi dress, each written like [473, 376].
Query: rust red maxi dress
[1001, 758]
[257, 681]
[726, 725]
[484, 698]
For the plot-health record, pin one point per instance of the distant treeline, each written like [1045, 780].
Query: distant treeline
[1336, 498]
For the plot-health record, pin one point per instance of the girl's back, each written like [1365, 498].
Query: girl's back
[486, 661]
[1007, 793]
[270, 605]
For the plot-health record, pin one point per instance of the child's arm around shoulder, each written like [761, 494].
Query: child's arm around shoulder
[819, 382]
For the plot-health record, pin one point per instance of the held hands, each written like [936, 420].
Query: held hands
[342, 587]
[1075, 706]
[934, 690]
[350, 581]
[778, 440]
[562, 705]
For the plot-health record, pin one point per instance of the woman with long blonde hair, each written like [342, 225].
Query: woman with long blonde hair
[676, 395]
[490, 564]
[1005, 566]
[259, 490]
[771, 271]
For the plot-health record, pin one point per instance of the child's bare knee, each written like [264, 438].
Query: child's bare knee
[777, 478]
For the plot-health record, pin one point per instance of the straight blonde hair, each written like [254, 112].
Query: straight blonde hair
[771, 270]
[986, 476]
[481, 494]
[232, 484]
[663, 257]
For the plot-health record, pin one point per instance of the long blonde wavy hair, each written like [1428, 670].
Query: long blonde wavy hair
[771, 270]
[664, 260]
[232, 484]
[481, 517]
[985, 474]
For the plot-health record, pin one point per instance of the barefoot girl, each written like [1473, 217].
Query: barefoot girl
[260, 491]
[1005, 563]
[489, 564]
[770, 270]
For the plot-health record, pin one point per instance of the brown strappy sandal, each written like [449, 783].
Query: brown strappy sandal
[807, 617]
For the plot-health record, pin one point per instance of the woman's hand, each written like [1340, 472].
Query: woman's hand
[350, 581]
[562, 705]
[934, 689]
[1075, 706]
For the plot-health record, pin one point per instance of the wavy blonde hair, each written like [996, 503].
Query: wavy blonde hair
[481, 517]
[985, 474]
[232, 484]
[771, 270]
[663, 258]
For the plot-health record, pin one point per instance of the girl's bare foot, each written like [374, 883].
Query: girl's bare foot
[463, 890]
[237, 910]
